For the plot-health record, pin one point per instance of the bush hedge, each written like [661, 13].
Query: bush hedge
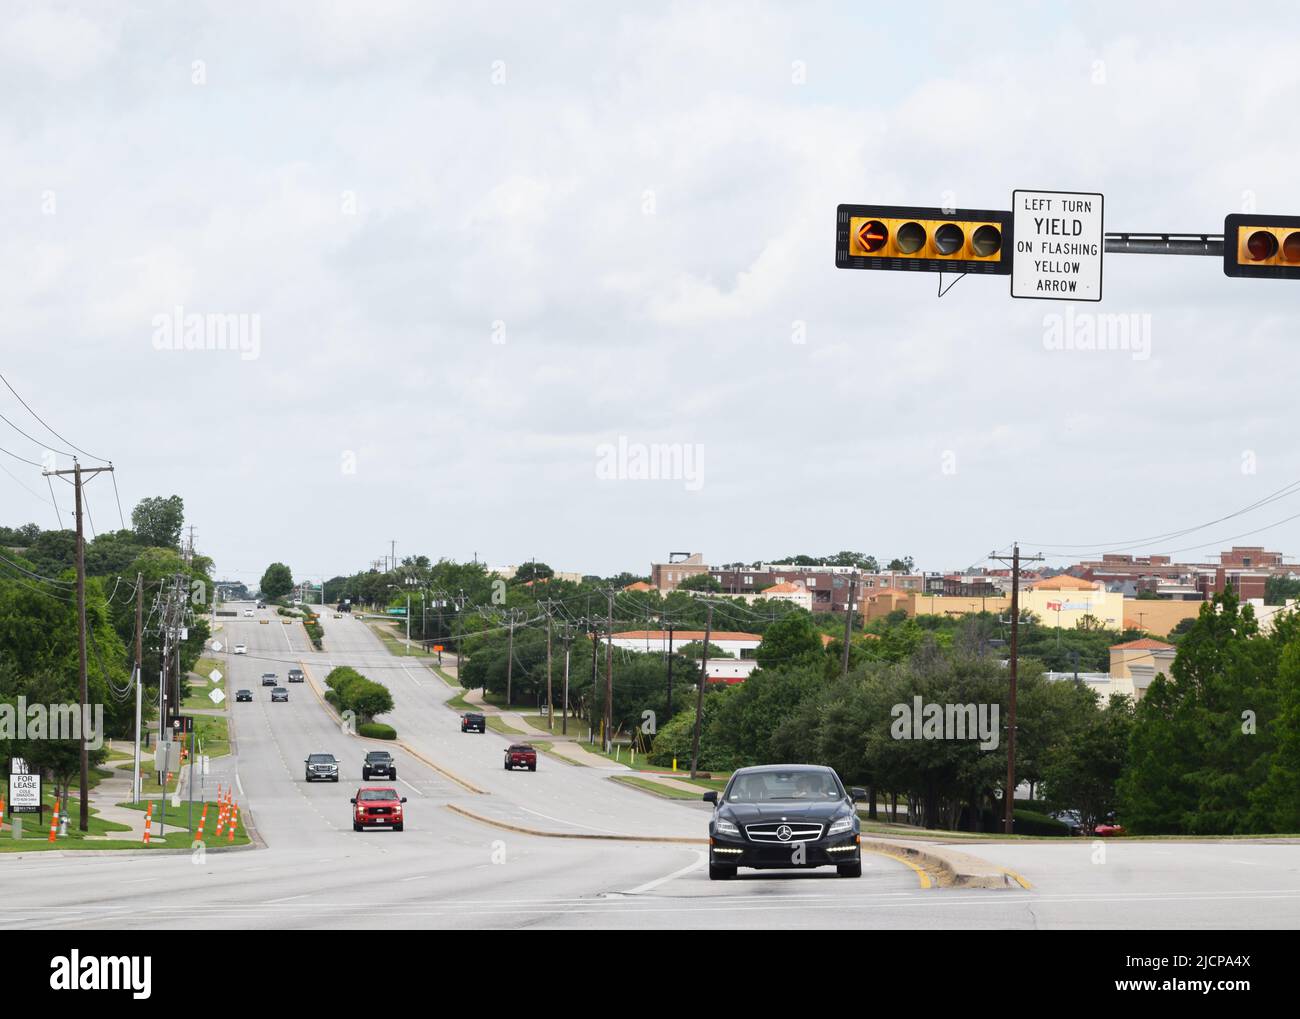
[377, 730]
[351, 691]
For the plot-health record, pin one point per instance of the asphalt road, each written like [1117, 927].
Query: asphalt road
[446, 870]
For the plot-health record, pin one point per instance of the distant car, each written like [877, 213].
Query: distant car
[248, 612]
[323, 767]
[377, 763]
[241, 649]
[338, 615]
[784, 816]
[521, 755]
[1104, 830]
[473, 722]
[375, 807]
[1072, 819]
[279, 694]
[296, 676]
[269, 679]
[261, 605]
[243, 695]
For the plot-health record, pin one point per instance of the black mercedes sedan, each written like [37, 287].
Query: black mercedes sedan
[784, 817]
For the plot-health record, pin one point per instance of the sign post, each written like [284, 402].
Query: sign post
[1059, 241]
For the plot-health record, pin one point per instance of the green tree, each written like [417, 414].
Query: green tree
[1085, 767]
[789, 639]
[700, 582]
[277, 581]
[157, 521]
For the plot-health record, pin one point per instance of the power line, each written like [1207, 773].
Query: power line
[47, 427]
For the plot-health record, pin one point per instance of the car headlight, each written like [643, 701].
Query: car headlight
[724, 827]
[841, 825]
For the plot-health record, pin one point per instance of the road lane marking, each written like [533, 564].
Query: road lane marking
[700, 858]
[409, 786]
[287, 898]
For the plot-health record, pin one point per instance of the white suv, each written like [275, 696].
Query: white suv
[241, 649]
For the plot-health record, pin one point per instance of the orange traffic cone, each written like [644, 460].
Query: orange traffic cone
[148, 820]
[54, 824]
[202, 818]
[233, 823]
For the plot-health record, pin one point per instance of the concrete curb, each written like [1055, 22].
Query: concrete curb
[949, 868]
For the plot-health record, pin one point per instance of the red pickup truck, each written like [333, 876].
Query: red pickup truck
[521, 755]
[375, 806]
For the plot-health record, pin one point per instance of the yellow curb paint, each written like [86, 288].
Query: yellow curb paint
[921, 874]
[1019, 879]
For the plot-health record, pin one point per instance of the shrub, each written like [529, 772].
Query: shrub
[377, 730]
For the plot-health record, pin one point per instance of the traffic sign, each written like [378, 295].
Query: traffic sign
[24, 793]
[216, 696]
[216, 676]
[216, 645]
[1059, 241]
[182, 723]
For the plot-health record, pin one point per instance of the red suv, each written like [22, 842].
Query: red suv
[521, 755]
[377, 806]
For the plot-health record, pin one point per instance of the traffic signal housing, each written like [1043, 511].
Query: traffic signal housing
[1266, 247]
[921, 239]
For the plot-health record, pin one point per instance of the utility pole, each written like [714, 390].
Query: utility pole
[510, 658]
[568, 644]
[1010, 795]
[609, 674]
[670, 673]
[83, 816]
[139, 676]
[699, 695]
[595, 648]
[550, 703]
[848, 630]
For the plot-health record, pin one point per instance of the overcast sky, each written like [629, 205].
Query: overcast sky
[484, 245]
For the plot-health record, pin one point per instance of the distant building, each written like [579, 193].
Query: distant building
[665, 577]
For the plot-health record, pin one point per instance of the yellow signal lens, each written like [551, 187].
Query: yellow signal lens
[1291, 247]
[911, 238]
[949, 238]
[986, 241]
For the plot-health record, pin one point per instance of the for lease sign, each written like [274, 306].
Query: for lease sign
[1059, 240]
[25, 793]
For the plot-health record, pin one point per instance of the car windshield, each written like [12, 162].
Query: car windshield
[378, 755]
[784, 786]
[321, 758]
[377, 794]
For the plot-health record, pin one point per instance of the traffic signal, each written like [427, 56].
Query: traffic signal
[922, 239]
[1262, 246]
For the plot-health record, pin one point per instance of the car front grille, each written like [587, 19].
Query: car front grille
[794, 831]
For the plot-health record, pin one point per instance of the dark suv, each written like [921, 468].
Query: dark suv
[473, 722]
[268, 679]
[784, 817]
[378, 763]
[322, 766]
[296, 676]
